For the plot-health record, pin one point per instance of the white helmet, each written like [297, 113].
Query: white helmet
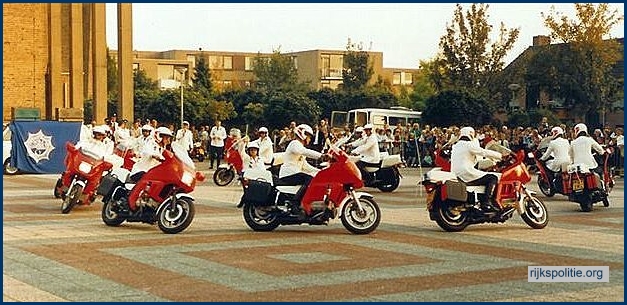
[467, 132]
[581, 127]
[302, 130]
[235, 132]
[147, 127]
[252, 144]
[556, 131]
[359, 129]
[164, 131]
[368, 126]
[101, 129]
[263, 129]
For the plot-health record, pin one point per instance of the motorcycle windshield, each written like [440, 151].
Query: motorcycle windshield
[183, 156]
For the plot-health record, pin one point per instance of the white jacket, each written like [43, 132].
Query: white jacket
[294, 160]
[560, 150]
[148, 157]
[464, 156]
[581, 151]
[369, 149]
[217, 135]
[185, 138]
[98, 148]
[266, 149]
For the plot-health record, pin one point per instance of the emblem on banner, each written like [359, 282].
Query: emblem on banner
[39, 146]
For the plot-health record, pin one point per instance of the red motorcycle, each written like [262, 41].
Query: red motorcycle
[454, 205]
[578, 183]
[163, 195]
[78, 183]
[267, 205]
[225, 174]
[127, 154]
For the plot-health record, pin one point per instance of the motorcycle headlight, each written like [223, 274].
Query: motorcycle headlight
[85, 167]
[188, 178]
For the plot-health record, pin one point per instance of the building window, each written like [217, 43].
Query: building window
[221, 62]
[396, 80]
[228, 62]
[248, 63]
[332, 65]
[409, 78]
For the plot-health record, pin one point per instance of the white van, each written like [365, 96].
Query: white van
[376, 116]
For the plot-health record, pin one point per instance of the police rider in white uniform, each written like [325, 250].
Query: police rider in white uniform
[464, 154]
[266, 149]
[151, 154]
[367, 149]
[581, 149]
[97, 144]
[559, 148]
[295, 169]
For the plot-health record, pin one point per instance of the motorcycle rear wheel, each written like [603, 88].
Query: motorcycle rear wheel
[545, 187]
[586, 205]
[361, 222]
[450, 220]
[223, 176]
[71, 199]
[109, 216]
[172, 221]
[536, 215]
[8, 169]
[260, 218]
[390, 181]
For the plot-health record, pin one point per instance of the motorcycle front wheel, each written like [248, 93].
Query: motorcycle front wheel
[364, 221]
[450, 219]
[172, 220]
[110, 215]
[223, 176]
[260, 218]
[8, 169]
[545, 186]
[535, 214]
[57, 192]
[71, 199]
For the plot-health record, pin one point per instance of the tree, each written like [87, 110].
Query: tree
[467, 59]
[457, 107]
[423, 87]
[592, 57]
[202, 78]
[357, 71]
[276, 72]
[284, 107]
[146, 92]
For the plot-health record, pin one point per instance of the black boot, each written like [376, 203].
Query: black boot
[490, 205]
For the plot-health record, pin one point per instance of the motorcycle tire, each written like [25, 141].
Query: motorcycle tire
[172, 221]
[586, 205]
[606, 202]
[390, 180]
[545, 187]
[361, 222]
[8, 169]
[223, 176]
[449, 220]
[71, 199]
[109, 214]
[535, 215]
[261, 219]
[57, 189]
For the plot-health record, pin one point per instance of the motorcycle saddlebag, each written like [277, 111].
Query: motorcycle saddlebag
[454, 190]
[107, 184]
[259, 193]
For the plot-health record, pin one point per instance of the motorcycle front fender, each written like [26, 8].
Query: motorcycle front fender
[359, 195]
[225, 166]
[178, 196]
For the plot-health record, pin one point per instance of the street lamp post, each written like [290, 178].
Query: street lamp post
[182, 71]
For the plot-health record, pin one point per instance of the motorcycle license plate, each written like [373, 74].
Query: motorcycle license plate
[577, 185]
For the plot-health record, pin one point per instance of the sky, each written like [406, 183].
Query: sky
[405, 32]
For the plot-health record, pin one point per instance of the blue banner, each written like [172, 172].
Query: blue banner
[39, 147]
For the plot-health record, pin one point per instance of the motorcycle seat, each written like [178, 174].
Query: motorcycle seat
[288, 189]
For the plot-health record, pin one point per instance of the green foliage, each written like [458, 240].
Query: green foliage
[585, 76]
[276, 72]
[457, 107]
[466, 61]
[357, 71]
[221, 110]
[423, 88]
[202, 78]
[146, 92]
[284, 107]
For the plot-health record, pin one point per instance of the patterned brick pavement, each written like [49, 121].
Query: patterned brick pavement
[52, 257]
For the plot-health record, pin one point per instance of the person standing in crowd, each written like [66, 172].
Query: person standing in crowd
[216, 146]
[203, 135]
[185, 138]
[121, 133]
[266, 149]
[317, 143]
